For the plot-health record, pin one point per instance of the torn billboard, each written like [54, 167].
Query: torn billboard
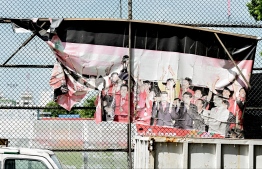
[182, 78]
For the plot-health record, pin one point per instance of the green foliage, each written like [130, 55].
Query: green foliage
[255, 9]
[88, 113]
[55, 112]
[84, 113]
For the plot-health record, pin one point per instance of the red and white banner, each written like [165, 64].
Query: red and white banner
[181, 77]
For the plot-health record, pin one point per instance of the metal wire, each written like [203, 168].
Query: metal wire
[81, 142]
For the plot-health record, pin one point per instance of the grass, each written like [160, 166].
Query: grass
[98, 160]
[70, 159]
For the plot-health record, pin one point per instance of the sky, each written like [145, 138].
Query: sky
[15, 81]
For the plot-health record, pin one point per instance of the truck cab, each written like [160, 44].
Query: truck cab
[27, 158]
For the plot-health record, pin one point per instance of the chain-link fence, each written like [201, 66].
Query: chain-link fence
[25, 91]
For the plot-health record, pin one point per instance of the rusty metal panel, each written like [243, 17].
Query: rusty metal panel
[258, 156]
[206, 153]
[196, 153]
[171, 152]
[235, 156]
[3, 142]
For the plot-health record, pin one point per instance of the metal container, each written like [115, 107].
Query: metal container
[168, 152]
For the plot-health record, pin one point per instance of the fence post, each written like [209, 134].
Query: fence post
[129, 156]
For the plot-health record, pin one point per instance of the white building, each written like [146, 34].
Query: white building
[26, 100]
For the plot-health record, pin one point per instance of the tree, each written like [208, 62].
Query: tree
[255, 9]
[57, 109]
[90, 111]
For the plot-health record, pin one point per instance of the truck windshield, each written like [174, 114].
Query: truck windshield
[57, 162]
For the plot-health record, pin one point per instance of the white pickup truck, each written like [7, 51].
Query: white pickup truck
[27, 158]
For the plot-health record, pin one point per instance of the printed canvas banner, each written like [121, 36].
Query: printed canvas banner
[183, 82]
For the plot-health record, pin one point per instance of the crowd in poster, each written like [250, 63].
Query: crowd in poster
[210, 102]
[170, 89]
[168, 100]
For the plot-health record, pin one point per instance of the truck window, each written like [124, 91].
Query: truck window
[24, 164]
[55, 159]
